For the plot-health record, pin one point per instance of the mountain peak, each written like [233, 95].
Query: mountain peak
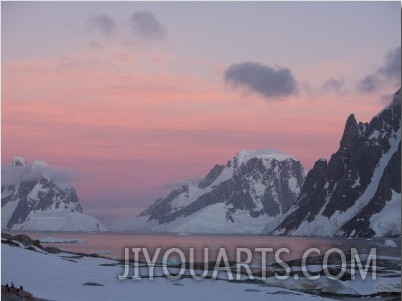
[321, 162]
[18, 161]
[353, 195]
[253, 189]
[351, 131]
[245, 155]
[31, 199]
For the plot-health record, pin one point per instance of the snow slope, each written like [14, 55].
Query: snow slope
[388, 220]
[59, 220]
[208, 220]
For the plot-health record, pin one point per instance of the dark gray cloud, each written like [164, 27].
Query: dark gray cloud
[268, 82]
[386, 98]
[103, 24]
[333, 85]
[370, 83]
[145, 24]
[389, 72]
[392, 66]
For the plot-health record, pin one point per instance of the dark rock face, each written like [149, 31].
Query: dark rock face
[39, 194]
[359, 225]
[310, 197]
[356, 183]
[27, 242]
[211, 176]
[259, 185]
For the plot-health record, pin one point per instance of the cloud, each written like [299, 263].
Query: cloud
[178, 184]
[95, 45]
[103, 24]
[146, 25]
[386, 98]
[333, 85]
[388, 72]
[12, 175]
[370, 83]
[268, 82]
[392, 66]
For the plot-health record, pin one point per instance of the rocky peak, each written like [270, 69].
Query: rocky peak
[351, 131]
[33, 190]
[18, 161]
[344, 196]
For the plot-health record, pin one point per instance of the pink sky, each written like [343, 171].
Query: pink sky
[132, 121]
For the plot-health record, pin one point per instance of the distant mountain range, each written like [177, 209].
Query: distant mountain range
[357, 193]
[251, 190]
[31, 200]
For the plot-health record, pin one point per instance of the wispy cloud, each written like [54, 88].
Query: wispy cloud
[103, 24]
[392, 65]
[389, 71]
[12, 174]
[178, 184]
[333, 85]
[145, 24]
[95, 45]
[270, 83]
[370, 83]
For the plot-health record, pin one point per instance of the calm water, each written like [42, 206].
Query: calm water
[112, 244]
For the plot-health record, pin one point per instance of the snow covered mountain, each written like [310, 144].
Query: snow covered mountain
[358, 192]
[255, 188]
[32, 200]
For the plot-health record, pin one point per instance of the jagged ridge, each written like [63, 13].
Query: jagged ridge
[342, 196]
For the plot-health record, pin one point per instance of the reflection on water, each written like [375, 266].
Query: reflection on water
[112, 244]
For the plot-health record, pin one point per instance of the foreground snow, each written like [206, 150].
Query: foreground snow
[69, 277]
[56, 278]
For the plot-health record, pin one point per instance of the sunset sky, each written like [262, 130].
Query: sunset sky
[132, 98]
